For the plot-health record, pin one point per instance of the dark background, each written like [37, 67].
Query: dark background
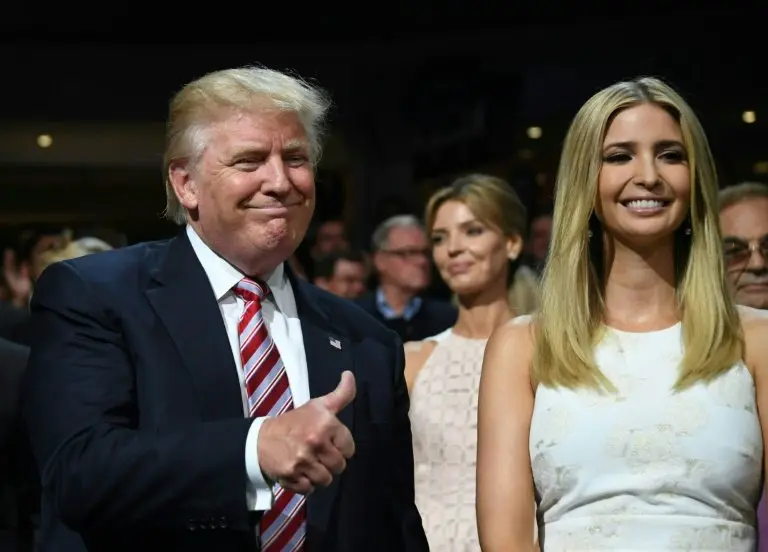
[421, 92]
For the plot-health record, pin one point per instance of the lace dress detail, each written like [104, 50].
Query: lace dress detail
[444, 424]
[648, 468]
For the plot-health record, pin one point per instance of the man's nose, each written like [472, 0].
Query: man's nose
[276, 181]
[757, 261]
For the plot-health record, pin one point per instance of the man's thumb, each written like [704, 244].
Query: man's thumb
[342, 395]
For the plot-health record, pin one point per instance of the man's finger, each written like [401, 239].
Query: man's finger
[342, 395]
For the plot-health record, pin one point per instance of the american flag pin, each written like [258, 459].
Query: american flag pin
[335, 343]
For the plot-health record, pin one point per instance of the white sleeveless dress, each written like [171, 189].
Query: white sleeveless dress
[647, 468]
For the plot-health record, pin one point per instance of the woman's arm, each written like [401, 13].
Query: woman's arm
[505, 496]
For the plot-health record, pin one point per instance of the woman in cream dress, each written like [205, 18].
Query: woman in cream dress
[476, 230]
[627, 407]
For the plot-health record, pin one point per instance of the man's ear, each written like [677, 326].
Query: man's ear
[378, 260]
[183, 183]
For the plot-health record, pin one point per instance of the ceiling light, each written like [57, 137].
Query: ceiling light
[534, 132]
[748, 117]
[44, 140]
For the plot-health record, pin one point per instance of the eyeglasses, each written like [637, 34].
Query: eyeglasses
[738, 252]
[408, 253]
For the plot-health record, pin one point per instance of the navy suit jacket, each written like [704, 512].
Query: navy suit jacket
[135, 415]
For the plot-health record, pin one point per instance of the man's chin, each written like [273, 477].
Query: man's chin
[754, 296]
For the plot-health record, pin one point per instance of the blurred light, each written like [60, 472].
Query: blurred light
[44, 140]
[748, 117]
[761, 167]
[534, 133]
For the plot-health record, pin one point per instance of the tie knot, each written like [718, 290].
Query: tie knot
[251, 290]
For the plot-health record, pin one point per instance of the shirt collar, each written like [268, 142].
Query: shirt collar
[223, 276]
[411, 309]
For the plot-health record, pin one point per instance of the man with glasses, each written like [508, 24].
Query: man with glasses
[401, 257]
[744, 224]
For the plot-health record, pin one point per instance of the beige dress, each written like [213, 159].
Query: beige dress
[444, 423]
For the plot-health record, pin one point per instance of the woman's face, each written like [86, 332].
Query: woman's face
[469, 254]
[644, 186]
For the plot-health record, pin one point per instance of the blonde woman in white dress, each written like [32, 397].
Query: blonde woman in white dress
[628, 408]
[476, 228]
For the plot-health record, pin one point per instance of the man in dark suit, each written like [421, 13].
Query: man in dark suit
[194, 395]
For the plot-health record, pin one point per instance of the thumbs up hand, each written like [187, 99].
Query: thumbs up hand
[343, 395]
[305, 447]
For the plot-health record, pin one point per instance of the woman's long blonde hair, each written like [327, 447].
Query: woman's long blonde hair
[571, 313]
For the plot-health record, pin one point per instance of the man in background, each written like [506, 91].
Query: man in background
[330, 236]
[343, 273]
[744, 225]
[401, 258]
[537, 245]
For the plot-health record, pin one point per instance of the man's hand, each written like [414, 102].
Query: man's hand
[305, 447]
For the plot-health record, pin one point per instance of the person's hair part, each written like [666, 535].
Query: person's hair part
[206, 100]
[571, 316]
[380, 236]
[742, 192]
[325, 267]
[495, 203]
[491, 199]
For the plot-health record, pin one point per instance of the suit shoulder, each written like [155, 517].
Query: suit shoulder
[351, 316]
[117, 264]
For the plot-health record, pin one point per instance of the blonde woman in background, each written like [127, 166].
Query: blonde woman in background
[476, 229]
[632, 397]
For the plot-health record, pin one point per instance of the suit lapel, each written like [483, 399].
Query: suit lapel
[182, 298]
[329, 353]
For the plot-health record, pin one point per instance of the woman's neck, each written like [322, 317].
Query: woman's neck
[480, 314]
[640, 290]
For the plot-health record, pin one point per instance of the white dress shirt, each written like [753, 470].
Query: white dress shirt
[281, 317]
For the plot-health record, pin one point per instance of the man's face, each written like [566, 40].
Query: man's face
[745, 231]
[404, 262]
[538, 243]
[348, 279]
[252, 193]
[331, 236]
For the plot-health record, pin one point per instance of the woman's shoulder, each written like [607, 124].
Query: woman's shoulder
[513, 338]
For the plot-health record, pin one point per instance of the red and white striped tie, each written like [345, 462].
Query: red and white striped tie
[284, 527]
